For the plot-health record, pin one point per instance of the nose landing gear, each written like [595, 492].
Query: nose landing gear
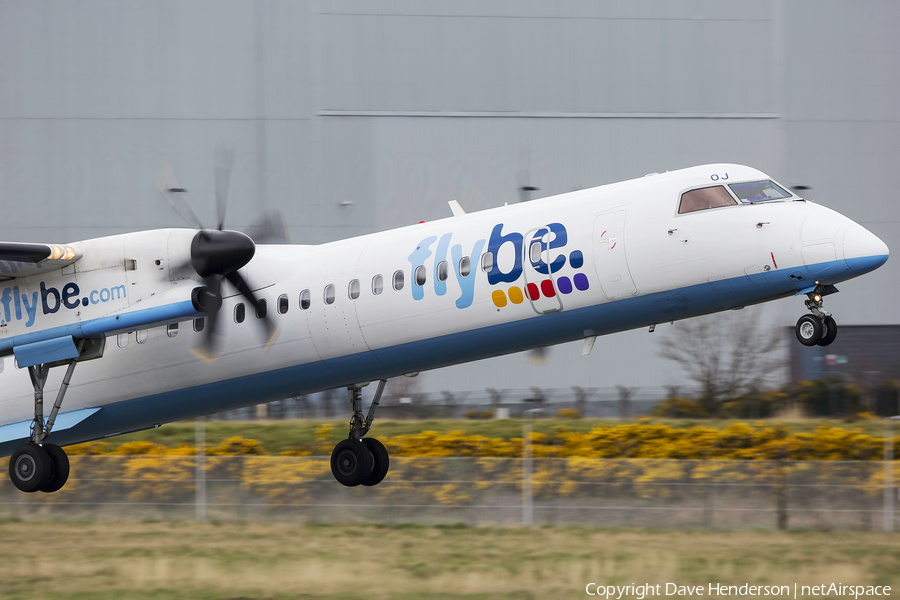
[819, 328]
[360, 460]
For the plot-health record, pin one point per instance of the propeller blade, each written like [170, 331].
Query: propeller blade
[209, 300]
[241, 285]
[213, 315]
[218, 254]
[224, 162]
[175, 194]
[270, 228]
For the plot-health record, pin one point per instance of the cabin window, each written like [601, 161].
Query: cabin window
[172, 329]
[304, 299]
[141, 335]
[758, 191]
[239, 312]
[487, 262]
[199, 324]
[465, 266]
[377, 284]
[397, 280]
[262, 309]
[283, 304]
[353, 289]
[420, 275]
[705, 198]
[122, 340]
[2, 363]
[535, 251]
[329, 293]
[443, 271]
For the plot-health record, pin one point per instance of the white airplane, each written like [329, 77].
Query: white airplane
[141, 315]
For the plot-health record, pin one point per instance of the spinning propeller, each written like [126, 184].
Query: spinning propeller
[218, 254]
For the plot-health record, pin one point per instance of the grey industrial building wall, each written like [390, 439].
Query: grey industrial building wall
[864, 354]
[354, 117]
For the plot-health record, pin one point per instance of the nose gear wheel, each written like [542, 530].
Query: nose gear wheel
[818, 328]
[808, 330]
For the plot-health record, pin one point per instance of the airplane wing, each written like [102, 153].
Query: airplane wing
[66, 420]
[23, 260]
[59, 343]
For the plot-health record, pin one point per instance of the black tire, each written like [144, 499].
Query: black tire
[351, 462]
[829, 332]
[808, 330]
[382, 461]
[29, 467]
[59, 474]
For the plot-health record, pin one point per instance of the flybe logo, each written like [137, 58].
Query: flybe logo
[541, 284]
[18, 304]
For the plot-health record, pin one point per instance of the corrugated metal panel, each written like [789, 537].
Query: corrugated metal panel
[83, 178]
[410, 167]
[680, 62]
[842, 129]
[165, 60]
[399, 106]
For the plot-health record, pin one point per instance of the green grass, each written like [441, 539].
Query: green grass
[279, 436]
[143, 561]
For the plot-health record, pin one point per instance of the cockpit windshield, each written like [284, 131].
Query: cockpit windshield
[749, 192]
[701, 199]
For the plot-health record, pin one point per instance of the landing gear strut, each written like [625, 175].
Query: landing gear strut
[819, 328]
[38, 466]
[359, 460]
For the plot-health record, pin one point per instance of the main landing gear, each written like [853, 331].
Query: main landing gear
[359, 460]
[37, 466]
[819, 328]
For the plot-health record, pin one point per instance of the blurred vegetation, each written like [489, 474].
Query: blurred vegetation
[568, 413]
[482, 415]
[143, 561]
[887, 398]
[731, 357]
[560, 438]
[830, 397]
[739, 368]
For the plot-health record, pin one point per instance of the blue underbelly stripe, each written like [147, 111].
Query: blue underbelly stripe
[565, 326]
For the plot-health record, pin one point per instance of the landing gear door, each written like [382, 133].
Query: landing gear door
[540, 289]
[609, 256]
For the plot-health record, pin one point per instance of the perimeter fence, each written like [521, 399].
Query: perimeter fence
[715, 494]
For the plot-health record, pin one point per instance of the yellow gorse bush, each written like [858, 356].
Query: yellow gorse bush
[738, 441]
[644, 460]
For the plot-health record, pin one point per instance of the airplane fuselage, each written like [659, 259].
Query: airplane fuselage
[564, 268]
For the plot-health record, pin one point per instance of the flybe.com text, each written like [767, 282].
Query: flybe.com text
[18, 304]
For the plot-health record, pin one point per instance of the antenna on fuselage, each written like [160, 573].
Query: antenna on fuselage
[523, 176]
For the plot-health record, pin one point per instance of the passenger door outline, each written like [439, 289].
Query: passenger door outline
[610, 258]
[539, 287]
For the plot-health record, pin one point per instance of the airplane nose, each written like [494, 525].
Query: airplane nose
[863, 250]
